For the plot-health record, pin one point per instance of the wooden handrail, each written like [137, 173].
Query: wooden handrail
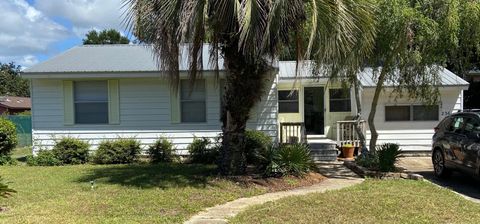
[346, 133]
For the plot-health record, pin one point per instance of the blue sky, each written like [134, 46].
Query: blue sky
[34, 30]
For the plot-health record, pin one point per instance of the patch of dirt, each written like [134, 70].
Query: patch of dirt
[273, 184]
[3, 209]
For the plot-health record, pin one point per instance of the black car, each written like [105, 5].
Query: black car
[456, 144]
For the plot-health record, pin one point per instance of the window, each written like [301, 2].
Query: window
[192, 102]
[411, 113]
[457, 125]
[91, 102]
[472, 126]
[397, 113]
[288, 101]
[425, 113]
[340, 100]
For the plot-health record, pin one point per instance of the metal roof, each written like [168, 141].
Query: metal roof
[14, 102]
[366, 77]
[112, 58]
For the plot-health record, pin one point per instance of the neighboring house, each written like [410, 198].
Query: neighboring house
[13, 105]
[108, 91]
[474, 75]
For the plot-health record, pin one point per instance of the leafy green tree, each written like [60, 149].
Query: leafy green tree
[410, 46]
[109, 36]
[11, 84]
[248, 34]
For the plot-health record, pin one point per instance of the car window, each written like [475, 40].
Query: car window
[445, 124]
[457, 125]
[472, 125]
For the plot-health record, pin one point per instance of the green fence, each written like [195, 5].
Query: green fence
[24, 128]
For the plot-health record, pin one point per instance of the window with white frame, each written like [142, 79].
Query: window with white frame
[411, 113]
[91, 102]
[192, 101]
[288, 101]
[340, 100]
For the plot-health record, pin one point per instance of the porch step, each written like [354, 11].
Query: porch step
[323, 152]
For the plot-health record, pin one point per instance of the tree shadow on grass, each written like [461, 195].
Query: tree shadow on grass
[152, 176]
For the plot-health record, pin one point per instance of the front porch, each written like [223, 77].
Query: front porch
[323, 148]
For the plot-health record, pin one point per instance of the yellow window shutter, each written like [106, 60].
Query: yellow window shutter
[113, 102]
[68, 106]
[175, 106]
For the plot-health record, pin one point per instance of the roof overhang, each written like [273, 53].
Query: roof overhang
[104, 75]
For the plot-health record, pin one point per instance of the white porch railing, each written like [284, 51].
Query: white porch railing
[346, 133]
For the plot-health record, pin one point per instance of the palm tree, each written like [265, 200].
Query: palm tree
[249, 34]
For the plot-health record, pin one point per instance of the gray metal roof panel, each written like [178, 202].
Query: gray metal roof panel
[366, 76]
[112, 58]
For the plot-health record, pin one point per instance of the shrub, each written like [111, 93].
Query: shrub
[7, 160]
[287, 159]
[119, 151]
[71, 151]
[162, 151]
[369, 161]
[388, 154]
[4, 190]
[43, 158]
[8, 136]
[256, 143]
[202, 151]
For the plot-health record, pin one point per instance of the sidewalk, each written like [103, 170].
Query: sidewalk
[338, 177]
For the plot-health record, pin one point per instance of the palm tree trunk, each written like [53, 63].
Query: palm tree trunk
[244, 87]
[373, 110]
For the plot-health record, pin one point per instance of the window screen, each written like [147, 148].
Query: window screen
[91, 102]
[192, 102]
[425, 113]
[287, 101]
[397, 113]
[340, 100]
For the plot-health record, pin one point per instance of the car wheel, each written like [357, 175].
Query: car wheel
[439, 168]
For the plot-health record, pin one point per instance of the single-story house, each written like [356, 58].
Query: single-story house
[13, 105]
[108, 91]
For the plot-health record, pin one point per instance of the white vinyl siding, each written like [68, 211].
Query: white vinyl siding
[411, 135]
[145, 114]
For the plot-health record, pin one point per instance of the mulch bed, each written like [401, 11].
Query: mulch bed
[273, 184]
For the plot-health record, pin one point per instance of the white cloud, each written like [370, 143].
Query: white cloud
[25, 61]
[26, 31]
[86, 14]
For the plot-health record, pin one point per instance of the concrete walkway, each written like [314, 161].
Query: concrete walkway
[338, 177]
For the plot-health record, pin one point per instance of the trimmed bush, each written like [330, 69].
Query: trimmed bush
[161, 151]
[120, 151]
[8, 136]
[71, 151]
[5, 191]
[287, 159]
[388, 154]
[256, 143]
[202, 151]
[43, 158]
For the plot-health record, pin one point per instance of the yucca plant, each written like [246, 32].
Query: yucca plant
[388, 154]
[295, 159]
[248, 34]
[4, 190]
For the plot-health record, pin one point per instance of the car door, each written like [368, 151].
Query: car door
[471, 143]
[454, 136]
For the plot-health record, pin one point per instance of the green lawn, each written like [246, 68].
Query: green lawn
[122, 193]
[374, 201]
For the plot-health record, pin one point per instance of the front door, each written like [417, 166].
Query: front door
[313, 110]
